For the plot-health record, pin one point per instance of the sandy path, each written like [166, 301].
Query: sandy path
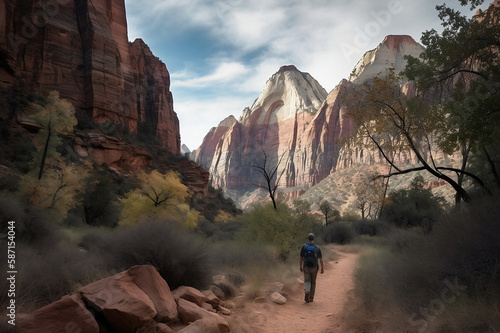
[324, 315]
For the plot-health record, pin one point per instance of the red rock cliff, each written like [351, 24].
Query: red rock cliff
[81, 49]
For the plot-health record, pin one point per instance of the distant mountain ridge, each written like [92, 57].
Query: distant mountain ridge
[294, 120]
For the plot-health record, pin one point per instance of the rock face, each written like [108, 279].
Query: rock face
[110, 151]
[271, 127]
[136, 300]
[81, 49]
[294, 120]
[388, 54]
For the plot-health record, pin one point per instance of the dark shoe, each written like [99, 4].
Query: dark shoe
[306, 298]
[310, 299]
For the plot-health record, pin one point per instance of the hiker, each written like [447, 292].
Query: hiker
[309, 255]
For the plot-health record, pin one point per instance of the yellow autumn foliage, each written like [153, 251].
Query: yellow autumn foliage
[223, 217]
[58, 190]
[159, 196]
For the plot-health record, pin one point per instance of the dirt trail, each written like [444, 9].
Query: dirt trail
[324, 315]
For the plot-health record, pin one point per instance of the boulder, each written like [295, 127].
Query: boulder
[207, 325]
[190, 294]
[66, 315]
[122, 303]
[208, 307]
[152, 284]
[190, 312]
[225, 285]
[148, 326]
[163, 328]
[217, 292]
[223, 311]
[210, 298]
[277, 298]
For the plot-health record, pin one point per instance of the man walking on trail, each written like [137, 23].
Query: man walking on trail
[309, 255]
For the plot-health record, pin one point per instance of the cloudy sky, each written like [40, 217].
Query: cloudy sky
[220, 53]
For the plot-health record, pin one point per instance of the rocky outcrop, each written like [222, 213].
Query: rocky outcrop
[81, 49]
[136, 300]
[68, 314]
[271, 127]
[110, 151]
[388, 54]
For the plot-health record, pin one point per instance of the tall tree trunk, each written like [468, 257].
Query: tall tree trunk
[492, 166]
[45, 149]
[460, 177]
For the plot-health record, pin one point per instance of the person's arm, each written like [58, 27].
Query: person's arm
[322, 266]
[300, 263]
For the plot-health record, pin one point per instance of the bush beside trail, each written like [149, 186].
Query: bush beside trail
[446, 280]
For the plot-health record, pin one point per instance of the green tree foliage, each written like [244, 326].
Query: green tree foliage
[159, 196]
[459, 77]
[398, 125]
[301, 206]
[279, 228]
[414, 207]
[326, 208]
[100, 200]
[329, 212]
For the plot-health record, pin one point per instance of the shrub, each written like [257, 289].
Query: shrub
[99, 201]
[370, 227]
[278, 228]
[414, 207]
[33, 226]
[408, 274]
[181, 258]
[340, 233]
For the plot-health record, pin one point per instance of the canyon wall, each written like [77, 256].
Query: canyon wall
[81, 49]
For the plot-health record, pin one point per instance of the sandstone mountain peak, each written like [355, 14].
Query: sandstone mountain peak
[228, 122]
[388, 54]
[288, 68]
[287, 92]
[393, 42]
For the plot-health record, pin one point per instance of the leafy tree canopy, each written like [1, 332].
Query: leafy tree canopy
[159, 196]
[459, 76]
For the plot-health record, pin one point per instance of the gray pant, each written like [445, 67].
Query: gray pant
[310, 274]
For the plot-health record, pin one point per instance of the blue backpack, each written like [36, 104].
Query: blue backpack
[310, 255]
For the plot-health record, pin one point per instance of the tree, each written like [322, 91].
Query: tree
[100, 200]
[458, 75]
[369, 196]
[56, 117]
[414, 207]
[159, 196]
[59, 190]
[398, 125]
[269, 172]
[329, 212]
[301, 206]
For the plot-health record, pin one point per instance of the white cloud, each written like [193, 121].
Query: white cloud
[224, 73]
[250, 40]
[198, 116]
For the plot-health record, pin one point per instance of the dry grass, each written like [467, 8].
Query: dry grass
[447, 281]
